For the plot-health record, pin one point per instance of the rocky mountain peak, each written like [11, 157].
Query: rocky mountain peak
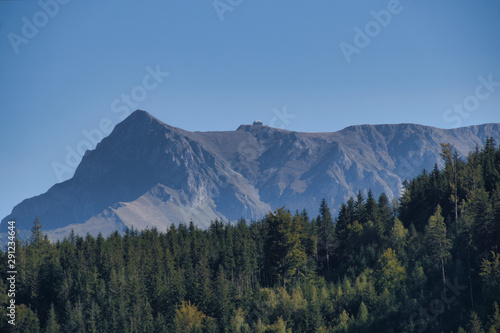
[147, 173]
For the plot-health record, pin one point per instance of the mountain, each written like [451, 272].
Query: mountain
[147, 173]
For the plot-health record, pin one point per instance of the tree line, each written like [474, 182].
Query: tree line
[428, 262]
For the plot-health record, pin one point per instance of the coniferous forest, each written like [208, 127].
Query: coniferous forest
[429, 262]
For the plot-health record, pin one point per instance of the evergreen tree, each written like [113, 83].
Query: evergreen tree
[238, 324]
[385, 217]
[398, 236]
[284, 251]
[451, 162]
[371, 207]
[489, 161]
[26, 320]
[437, 242]
[52, 326]
[475, 324]
[325, 234]
[360, 209]
[222, 298]
[495, 319]
[390, 273]
[472, 177]
[36, 238]
[490, 274]
[363, 316]
[480, 216]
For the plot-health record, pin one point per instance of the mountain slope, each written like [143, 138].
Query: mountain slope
[147, 173]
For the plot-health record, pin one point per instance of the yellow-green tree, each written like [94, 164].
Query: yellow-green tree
[238, 324]
[390, 273]
[188, 318]
[398, 236]
[490, 273]
[278, 327]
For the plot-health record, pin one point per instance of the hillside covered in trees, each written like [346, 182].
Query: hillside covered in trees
[429, 263]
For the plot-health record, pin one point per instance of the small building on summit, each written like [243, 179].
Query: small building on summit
[257, 122]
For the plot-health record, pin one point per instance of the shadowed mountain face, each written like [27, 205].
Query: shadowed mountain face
[147, 173]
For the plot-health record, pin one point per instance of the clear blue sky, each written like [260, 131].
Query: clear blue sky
[68, 68]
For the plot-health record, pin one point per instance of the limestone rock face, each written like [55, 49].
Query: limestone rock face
[147, 173]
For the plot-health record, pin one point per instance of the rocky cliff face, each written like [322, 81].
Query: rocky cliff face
[147, 173]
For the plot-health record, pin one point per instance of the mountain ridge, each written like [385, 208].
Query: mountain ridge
[147, 173]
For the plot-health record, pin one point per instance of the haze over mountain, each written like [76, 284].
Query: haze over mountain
[147, 173]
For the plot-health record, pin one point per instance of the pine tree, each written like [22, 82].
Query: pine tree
[438, 244]
[36, 237]
[475, 324]
[398, 236]
[495, 319]
[52, 326]
[473, 177]
[384, 220]
[488, 162]
[371, 207]
[360, 210]
[222, 298]
[451, 161]
[26, 320]
[479, 214]
[160, 324]
[238, 324]
[495, 226]
[362, 317]
[390, 272]
[344, 320]
[284, 251]
[278, 327]
[490, 274]
[325, 233]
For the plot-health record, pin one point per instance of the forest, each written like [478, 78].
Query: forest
[428, 262]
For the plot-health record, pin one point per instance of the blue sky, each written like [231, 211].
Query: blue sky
[67, 67]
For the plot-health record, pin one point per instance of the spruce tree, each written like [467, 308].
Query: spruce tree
[52, 325]
[437, 242]
[325, 233]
